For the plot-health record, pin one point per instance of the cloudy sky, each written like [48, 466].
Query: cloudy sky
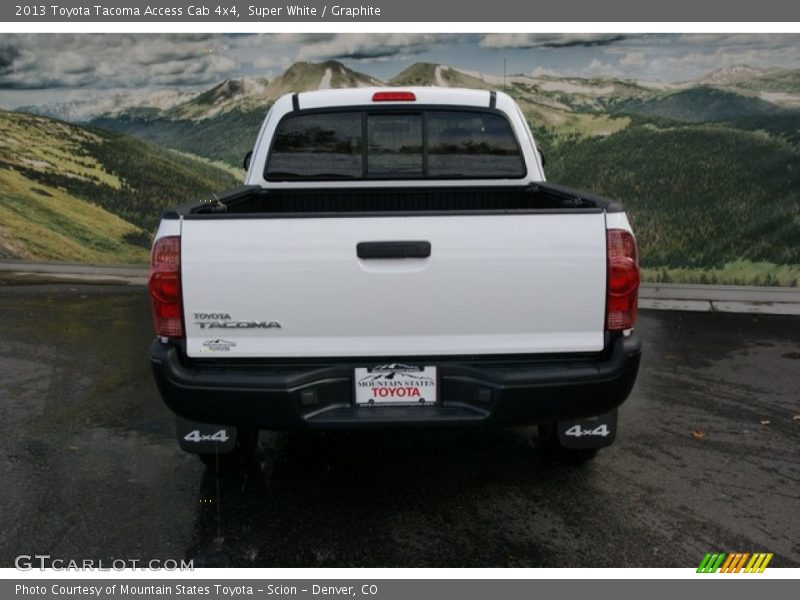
[41, 68]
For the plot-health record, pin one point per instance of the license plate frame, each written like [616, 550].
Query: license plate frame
[395, 384]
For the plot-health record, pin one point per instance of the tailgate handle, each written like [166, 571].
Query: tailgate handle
[376, 250]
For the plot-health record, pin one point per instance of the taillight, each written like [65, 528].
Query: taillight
[393, 97]
[165, 286]
[622, 287]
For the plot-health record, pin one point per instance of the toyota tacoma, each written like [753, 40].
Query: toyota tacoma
[395, 258]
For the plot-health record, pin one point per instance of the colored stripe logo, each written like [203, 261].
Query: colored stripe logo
[736, 562]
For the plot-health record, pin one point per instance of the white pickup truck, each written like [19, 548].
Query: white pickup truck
[395, 258]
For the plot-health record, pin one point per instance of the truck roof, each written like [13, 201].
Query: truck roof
[424, 95]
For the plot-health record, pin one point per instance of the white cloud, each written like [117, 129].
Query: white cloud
[372, 46]
[740, 40]
[269, 62]
[543, 72]
[632, 59]
[598, 68]
[547, 40]
[110, 61]
[33, 62]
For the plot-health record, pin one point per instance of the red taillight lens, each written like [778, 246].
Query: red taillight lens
[393, 97]
[165, 286]
[623, 280]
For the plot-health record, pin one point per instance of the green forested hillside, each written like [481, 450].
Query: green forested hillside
[785, 126]
[83, 194]
[227, 136]
[700, 105]
[698, 196]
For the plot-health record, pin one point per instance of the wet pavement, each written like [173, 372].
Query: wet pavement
[707, 458]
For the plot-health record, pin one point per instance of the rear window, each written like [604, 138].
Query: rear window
[317, 146]
[429, 144]
[394, 146]
[474, 144]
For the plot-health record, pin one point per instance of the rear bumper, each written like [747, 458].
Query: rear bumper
[472, 391]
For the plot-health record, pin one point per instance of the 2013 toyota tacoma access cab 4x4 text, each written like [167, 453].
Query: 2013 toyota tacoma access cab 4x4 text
[395, 259]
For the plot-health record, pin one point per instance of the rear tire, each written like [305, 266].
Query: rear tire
[243, 454]
[549, 444]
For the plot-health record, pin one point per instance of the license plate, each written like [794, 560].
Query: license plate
[395, 383]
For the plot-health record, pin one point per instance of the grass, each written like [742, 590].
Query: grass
[234, 171]
[80, 194]
[740, 272]
[57, 226]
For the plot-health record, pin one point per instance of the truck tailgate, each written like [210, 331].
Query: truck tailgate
[296, 287]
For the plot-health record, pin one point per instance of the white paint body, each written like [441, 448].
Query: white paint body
[494, 284]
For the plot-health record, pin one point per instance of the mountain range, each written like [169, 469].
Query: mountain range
[780, 87]
[221, 123]
[721, 152]
[242, 94]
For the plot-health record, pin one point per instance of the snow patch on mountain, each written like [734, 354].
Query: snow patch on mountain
[325, 82]
[438, 76]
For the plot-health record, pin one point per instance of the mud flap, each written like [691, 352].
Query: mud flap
[204, 438]
[593, 432]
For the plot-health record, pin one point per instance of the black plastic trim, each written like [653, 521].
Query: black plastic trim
[210, 205]
[386, 250]
[607, 204]
[472, 391]
[216, 207]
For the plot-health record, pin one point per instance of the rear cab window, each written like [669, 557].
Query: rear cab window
[395, 144]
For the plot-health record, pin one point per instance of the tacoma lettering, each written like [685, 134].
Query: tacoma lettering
[239, 325]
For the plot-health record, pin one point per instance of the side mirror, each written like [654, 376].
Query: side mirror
[542, 159]
[246, 162]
